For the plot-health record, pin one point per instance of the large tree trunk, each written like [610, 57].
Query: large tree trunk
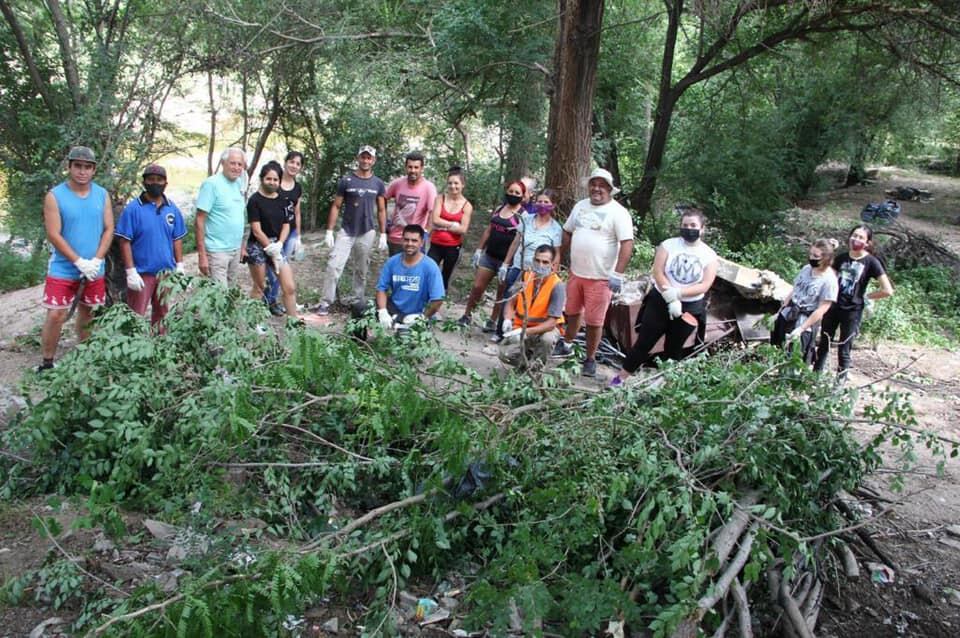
[66, 51]
[571, 104]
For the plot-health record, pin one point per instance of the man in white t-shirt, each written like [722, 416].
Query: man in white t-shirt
[598, 236]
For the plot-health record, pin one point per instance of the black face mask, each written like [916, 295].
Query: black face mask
[154, 190]
[513, 200]
[690, 234]
[814, 263]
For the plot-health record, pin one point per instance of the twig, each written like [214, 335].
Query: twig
[868, 541]
[743, 608]
[319, 439]
[75, 561]
[793, 613]
[887, 376]
[163, 604]
[369, 516]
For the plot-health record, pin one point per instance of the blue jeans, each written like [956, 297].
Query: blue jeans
[272, 289]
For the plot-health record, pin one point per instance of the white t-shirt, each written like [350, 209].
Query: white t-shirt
[686, 263]
[596, 235]
[810, 290]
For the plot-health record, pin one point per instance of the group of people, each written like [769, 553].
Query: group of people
[535, 314]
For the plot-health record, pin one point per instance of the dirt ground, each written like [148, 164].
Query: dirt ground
[920, 602]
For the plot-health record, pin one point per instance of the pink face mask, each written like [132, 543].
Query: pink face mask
[543, 209]
[857, 245]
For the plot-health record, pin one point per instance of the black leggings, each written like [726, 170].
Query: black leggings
[782, 327]
[654, 322]
[849, 323]
[447, 258]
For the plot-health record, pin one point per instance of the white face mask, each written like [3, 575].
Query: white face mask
[541, 271]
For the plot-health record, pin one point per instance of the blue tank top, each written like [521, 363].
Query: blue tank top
[81, 220]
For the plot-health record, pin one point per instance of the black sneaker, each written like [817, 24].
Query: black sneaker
[277, 310]
[322, 309]
[589, 368]
[562, 350]
[45, 365]
[490, 326]
[464, 321]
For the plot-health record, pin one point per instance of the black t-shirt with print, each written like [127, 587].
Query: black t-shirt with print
[271, 213]
[292, 196]
[854, 276]
[502, 232]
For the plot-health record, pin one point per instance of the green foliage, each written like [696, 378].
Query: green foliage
[924, 309]
[18, 272]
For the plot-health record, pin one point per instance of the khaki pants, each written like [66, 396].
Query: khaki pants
[224, 267]
[344, 248]
[539, 348]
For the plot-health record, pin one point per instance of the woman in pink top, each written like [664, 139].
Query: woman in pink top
[450, 221]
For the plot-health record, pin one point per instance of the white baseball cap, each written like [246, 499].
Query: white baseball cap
[366, 148]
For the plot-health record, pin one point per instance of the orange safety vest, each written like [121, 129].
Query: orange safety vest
[541, 303]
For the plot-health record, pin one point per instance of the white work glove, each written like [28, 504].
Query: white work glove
[411, 319]
[615, 282]
[475, 261]
[795, 334]
[513, 334]
[502, 273]
[670, 295]
[134, 280]
[868, 307]
[328, 239]
[383, 316]
[89, 268]
[295, 245]
[674, 309]
[275, 250]
[180, 268]
[382, 244]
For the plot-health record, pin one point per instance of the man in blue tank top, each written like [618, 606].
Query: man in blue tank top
[79, 223]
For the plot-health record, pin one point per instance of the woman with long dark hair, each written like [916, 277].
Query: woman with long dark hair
[451, 220]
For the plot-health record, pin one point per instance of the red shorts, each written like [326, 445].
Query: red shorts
[590, 297]
[58, 293]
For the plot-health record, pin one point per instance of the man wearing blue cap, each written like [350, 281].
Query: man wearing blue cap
[150, 232]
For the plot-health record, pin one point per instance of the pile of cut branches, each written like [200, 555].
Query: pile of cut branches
[703, 504]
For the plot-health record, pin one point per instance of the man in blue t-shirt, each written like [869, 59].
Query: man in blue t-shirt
[150, 232]
[413, 281]
[221, 218]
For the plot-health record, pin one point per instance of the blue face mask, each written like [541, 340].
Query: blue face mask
[541, 271]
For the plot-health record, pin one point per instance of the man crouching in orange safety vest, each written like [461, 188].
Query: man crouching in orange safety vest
[536, 314]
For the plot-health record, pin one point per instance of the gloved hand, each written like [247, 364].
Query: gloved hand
[455, 228]
[383, 316]
[674, 309]
[382, 244]
[275, 250]
[89, 268]
[868, 307]
[670, 295]
[502, 273]
[295, 245]
[416, 317]
[512, 334]
[615, 282]
[180, 268]
[134, 280]
[328, 239]
[795, 334]
[475, 261]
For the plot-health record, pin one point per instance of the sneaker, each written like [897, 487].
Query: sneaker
[589, 368]
[490, 326]
[615, 382]
[322, 309]
[496, 338]
[562, 350]
[45, 365]
[464, 321]
[277, 310]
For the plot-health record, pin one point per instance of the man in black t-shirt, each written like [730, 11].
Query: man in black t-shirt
[359, 194]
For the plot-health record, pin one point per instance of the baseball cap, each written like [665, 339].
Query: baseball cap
[605, 175]
[366, 148]
[155, 169]
[81, 154]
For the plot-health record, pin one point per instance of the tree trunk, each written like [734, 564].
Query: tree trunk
[66, 52]
[642, 198]
[211, 147]
[272, 117]
[571, 105]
